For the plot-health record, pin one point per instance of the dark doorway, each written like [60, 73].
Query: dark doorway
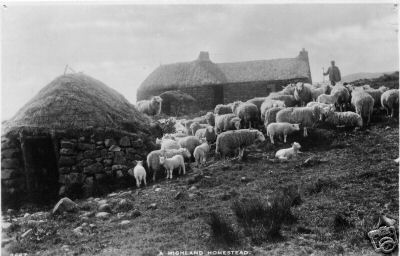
[218, 94]
[41, 169]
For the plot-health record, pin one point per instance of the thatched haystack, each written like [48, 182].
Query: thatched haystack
[177, 102]
[76, 137]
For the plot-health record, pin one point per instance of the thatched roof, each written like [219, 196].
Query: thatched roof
[77, 101]
[204, 72]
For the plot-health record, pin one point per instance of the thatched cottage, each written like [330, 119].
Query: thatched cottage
[215, 83]
[76, 137]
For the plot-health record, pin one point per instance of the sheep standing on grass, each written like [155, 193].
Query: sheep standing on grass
[231, 141]
[306, 116]
[288, 153]
[226, 122]
[270, 115]
[150, 107]
[222, 109]
[153, 158]
[173, 163]
[364, 104]
[196, 126]
[302, 93]
[390, 101]
[281, 129]
[269, 103]
[200, 153]
[139, 173]
[376, 94]
[346, 119]
[247, 112]
[189, 142]
[343, 96]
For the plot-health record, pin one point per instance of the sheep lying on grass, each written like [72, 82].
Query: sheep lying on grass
[269, 103]
[288, 153]
[247, 112]
[302, 93]
[230, 141]
[346, 119]
[150, 107]
[270, 115]
[200, 153]
[281, 129]
[227, 122]
[306, 116]
[153, 158]
[221, 109]
[173, 163]
[390, 101]
[363, 103]
[139, 173]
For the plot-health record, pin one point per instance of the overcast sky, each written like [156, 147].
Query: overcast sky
[122, 44]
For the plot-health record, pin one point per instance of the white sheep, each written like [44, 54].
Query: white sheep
[306, 116]
[319, 104]
[390, 101]
[226, 122]
[139, 173]
[317, 90]
[153, 158]
[173, 163]
[346, 119]
[279, 129]
[222, 109]
[189, 142]
[289, 100]
[270, 103]
[288, 153]
[196, 126]
[247, 112]
[376, 94]
[200, 153]
[150, 107]
[302, 93]
[363, 103]
[231, 141]
[270, 115]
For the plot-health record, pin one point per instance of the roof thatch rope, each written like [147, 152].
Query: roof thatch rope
[77, 101]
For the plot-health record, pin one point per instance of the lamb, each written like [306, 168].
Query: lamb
[167, 144]
[281, 129]
[247, 112]
[226, 122]
[153, 158]
[200, 153]
[189, 142]
[139, 173]
[150, 107]
[363, 103]
[287, 153]
[390, 101]
[269, 103]
[257, 101]
[195, 126]
[306, 116]
[376, 94]
[210, 118]
[173, 163]
[270, 115]
[316, 92]
[302, 93]
[289, 100]
[221, 109]
[346, 119]
[230, 141]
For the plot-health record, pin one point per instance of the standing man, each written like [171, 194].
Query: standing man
[334, 73]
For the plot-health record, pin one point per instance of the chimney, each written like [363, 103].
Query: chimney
[303, 55]
[204, 56]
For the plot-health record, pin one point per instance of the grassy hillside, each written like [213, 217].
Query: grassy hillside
[334, 197]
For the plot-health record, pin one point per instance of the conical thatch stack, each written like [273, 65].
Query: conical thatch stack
[77, 101]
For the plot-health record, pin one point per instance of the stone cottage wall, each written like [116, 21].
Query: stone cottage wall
[12, 169]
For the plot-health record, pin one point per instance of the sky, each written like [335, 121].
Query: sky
[121, 45]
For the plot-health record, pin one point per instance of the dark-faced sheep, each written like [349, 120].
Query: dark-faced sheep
[231, 142]
[390, 101]
[302, 93]
[210, 118]
[150, 107]
[343, 96]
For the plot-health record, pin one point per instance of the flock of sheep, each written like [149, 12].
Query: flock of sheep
[234, 126]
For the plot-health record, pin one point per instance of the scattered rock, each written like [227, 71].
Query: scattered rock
[387, 127]
[243, 179]
[26, 233]
[157, 190]
[192, 188]
[114, 148]
[125, 222]
[196, 178]
[5, 225]
[179, 195]
[102, 215]
[92, 225]
[65, 205]
[112, 194]
[191, 195]
[104, 201]
[152, 206]
[135, 213]
[78, 231]
[124, 205]
[105, 208]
